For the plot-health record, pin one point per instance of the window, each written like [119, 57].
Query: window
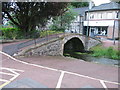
[99, 16]
[92, 16]
[102, 31]
[109, 15]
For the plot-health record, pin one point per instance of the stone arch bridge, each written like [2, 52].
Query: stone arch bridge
[57, 46]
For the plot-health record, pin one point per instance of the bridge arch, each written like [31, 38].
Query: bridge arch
[74, 44]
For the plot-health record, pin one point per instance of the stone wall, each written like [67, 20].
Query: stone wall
[93, 42]
[52, 48]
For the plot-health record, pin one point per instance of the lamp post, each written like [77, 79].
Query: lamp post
[114, 32]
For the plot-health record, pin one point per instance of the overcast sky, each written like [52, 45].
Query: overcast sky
[98, 2]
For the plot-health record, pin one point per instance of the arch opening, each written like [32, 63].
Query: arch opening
[73, 45]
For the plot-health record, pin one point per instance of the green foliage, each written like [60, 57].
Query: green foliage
[79, 4]
[15, 33]
[27, 15]
[80, 53]
[99, 51]
[49, 32]
[60, 23]
[9, 33]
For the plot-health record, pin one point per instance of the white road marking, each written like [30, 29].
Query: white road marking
[44, 67]
[14, 77]
[28, 63]
[90, 77]
[7, 73]
[3, 80]
[60, 80]
[8, 81]
[13, 73]
[11, 69]
[103, 84]
[58, 69]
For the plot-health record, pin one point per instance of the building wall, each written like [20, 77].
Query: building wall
[104, 18]
[112, 14]
[113, 30]
[77, 25]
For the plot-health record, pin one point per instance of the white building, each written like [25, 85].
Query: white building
[77, 25]
[103, 21]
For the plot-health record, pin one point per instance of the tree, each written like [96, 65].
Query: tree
[27, 15]
[80, 4]
[63, 22]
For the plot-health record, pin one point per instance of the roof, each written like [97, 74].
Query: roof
[102, 7]
[106, 6]
[81, 10]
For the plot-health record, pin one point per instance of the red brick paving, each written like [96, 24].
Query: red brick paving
[77, 66]
[110, 43]
[50, 78]
[71, 81]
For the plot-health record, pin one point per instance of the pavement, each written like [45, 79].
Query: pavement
[110, 43]
[55, 72]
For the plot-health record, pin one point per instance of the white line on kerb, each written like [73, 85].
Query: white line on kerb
[57, 69]
[60, 80]
[103, 84]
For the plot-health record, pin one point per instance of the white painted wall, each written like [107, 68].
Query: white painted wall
[102, 15]
[99, 23]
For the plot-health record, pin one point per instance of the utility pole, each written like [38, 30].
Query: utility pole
[87, 31]
[80, 20]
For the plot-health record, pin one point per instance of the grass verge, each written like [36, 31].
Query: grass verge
[110, 52]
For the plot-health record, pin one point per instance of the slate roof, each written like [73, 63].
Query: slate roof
[106, 6]
[81, 10]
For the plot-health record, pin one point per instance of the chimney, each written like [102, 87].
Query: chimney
[91, 4]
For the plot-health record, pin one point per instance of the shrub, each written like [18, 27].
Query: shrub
[49, 32]
[9, 33]
[15, 33]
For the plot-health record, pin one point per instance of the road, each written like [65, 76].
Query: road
[62, 72]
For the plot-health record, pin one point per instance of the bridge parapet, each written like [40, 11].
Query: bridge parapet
[56, 47]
